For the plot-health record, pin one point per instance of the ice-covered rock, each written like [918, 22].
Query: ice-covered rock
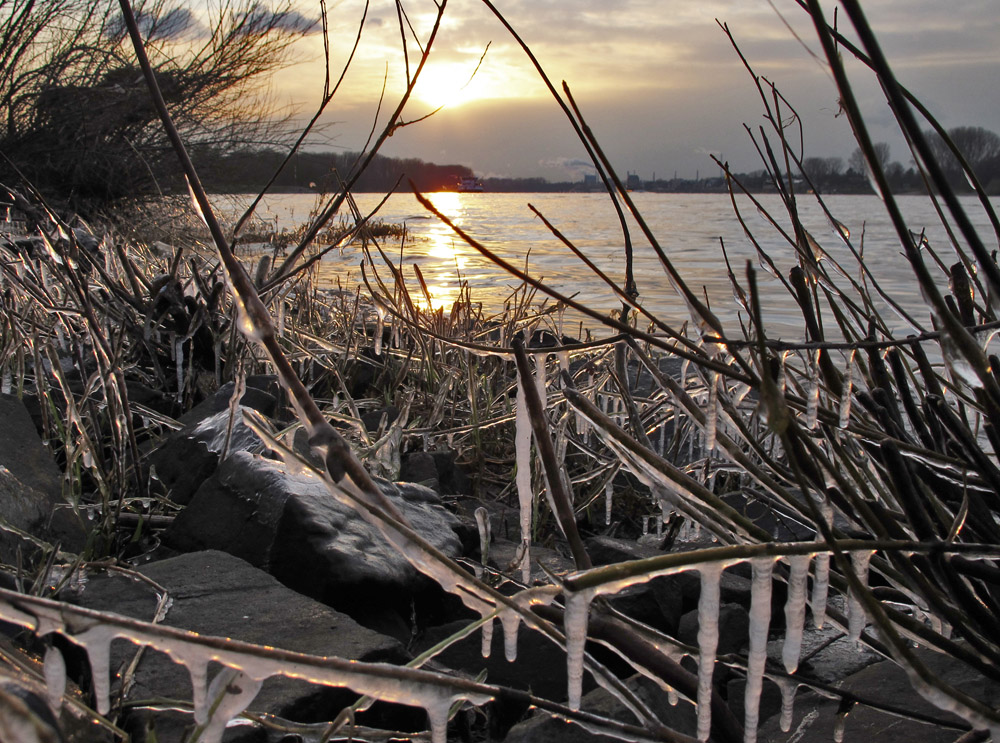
[31, 487]
[289, 524]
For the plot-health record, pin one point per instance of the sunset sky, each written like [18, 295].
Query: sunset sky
[658, 81]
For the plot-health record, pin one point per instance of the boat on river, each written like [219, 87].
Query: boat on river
[470, 184]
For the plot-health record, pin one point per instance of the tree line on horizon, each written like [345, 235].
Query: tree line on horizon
[79, 126]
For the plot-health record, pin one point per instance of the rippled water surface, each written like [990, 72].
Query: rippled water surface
[691, 228]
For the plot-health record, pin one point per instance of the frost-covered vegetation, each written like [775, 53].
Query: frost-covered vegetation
[875, 449]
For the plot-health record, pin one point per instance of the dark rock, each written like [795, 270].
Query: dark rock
[886, 683]
[262, 393]
[373, 419]
[420, 467]
[505, 557]
[540, 665]
[188, 457]
[652, 603]
[784, 526]
[31, 486]
[610, 550]
[734, 628]
[290, 525]
[217, 594]
[543, 728]
[452, 476]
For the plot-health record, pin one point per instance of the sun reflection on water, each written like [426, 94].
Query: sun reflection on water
[446, 255]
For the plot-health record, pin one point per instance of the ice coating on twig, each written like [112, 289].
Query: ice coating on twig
[575, 629]
[522, 454]
[406, 686]
[54, 668]
[855, 612]
[708, 642]
[760, 620]
[795, 610]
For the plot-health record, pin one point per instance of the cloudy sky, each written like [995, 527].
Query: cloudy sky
[658, 80]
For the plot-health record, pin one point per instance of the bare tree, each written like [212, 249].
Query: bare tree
[78, 121]
[980, 147]
[819, 169]
[856, 161]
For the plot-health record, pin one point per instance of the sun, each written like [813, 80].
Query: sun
[449, 84]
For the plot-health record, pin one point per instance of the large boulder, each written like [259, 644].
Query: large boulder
[189, 456]
[31, 487]
[213, 593]
[288, 523]
[816, 717]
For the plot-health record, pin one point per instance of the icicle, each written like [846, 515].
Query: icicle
[843, 710]
[179, 356]
[437, 718]
[812, 393]
[782, 374]
[575, 629]
[379, 328]
[821, 580]
[855, 612]
[708, 643]
[510, 621]
[54, 667]
[563, 357]
[845, 397]
[483, 524]
[522, 452]
[96, 641]
[540, 361]
[608, 496]
[795, 610]
[198, 671]
[231, 692]
[712, 413]
[788, 688]
[487, 646]
[760, 620]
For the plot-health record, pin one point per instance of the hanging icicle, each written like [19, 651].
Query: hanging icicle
[795, 610]
[708, 643]
[575, 628]
[760, 620]
[812, 392]
[846, 397]
[855, 611]
[522, 454]
[712, 413]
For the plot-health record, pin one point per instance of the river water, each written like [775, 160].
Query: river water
[691, 228]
